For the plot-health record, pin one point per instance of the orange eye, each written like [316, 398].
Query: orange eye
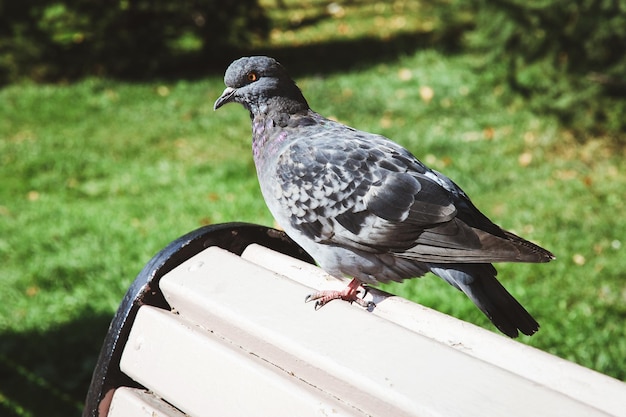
[252, 76]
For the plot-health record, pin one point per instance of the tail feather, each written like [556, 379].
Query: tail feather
[479, 283]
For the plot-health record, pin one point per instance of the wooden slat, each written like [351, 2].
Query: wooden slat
[367, 363]
[204, 375]
[588, 386]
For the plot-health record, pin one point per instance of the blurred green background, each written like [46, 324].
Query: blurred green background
[109, 150]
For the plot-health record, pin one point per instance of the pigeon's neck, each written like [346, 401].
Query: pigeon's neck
[272, 131]
[278, 107]
[268, 134]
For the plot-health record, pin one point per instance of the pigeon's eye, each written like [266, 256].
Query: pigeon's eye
[252, 76]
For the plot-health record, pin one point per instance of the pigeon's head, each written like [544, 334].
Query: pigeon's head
[261, 85]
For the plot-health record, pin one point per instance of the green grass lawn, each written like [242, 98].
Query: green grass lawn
[98, 176]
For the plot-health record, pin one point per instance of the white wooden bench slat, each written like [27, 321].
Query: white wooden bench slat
[204, 375]
[583, 384]
[340, 357]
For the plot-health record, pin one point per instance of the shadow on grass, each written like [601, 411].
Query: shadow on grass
[327, 57]
[48, 373]
[342, 55]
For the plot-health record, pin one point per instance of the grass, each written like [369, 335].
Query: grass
[98, 176]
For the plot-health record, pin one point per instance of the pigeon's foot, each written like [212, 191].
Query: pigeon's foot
[350, 294]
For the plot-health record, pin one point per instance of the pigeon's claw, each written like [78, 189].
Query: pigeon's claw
[350, 294]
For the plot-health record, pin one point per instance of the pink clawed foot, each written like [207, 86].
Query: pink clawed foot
[350, 294]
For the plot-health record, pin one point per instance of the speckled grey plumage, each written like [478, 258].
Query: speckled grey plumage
[365, 207]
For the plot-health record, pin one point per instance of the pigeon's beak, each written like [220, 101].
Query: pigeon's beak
[227, 96]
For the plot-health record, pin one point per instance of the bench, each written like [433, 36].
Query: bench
[216, 324]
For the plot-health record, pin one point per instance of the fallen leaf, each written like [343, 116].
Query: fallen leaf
[489, 133]
[426, 93]
[335, 10]
[405, 74]
[386, 122]
[32, 291]
[525, 159]
[579, 259]
[163, 91]
[343, 29]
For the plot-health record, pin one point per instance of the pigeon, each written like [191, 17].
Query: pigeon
[365, 207]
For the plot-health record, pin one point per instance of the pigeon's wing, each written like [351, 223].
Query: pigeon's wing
[366, 193]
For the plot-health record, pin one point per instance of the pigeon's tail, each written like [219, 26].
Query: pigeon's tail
[479, 283]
